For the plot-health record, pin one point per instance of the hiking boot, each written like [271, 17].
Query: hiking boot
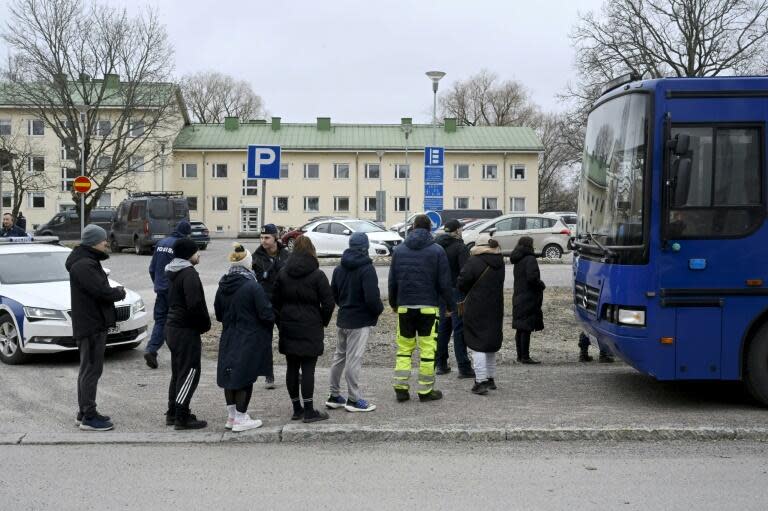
[361, 405]
[480, 388]
[529, 361]
[492, 384]
[465, 375]
[334, 402]
[151, 359]
[402, 395]
[79, 419]
[606, 359]
[442, 369]
[314, 416]
[95, 424]
[270, 384]
[189, 422]
[432, 395]
[245, 424]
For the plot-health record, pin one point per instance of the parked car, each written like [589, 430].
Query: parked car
[403, 228]
[145, 218]
[331, 237]
[569, 218]
[200, 234]
[66, 224]
[290, 236]
[550, 235]
[35, 303]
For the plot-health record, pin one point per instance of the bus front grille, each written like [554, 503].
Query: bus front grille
[585, 297]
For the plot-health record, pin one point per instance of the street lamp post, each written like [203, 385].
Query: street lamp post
[380, 204]
[83, 111]
[435, 76]
[407, 131]
[162, 165]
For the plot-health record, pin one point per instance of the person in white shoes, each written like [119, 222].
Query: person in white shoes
[245, 346]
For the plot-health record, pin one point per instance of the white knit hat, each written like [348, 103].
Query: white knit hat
[241, 256]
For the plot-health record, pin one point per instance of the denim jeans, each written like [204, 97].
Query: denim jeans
[453, 324]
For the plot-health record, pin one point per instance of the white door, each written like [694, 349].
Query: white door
[249, 220]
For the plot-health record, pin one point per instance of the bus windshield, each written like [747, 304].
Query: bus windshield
[613, 170]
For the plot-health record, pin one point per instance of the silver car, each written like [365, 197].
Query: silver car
[550, 235]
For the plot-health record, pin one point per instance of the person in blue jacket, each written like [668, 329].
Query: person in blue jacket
[9, 229]
[162, 256]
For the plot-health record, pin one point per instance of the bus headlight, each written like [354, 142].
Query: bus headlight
[631, 317]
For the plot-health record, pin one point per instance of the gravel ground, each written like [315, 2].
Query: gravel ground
[555, 345]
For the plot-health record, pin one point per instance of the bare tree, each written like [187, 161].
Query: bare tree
[211, 96]
[557, 165]
[58, 48]
[23, 170]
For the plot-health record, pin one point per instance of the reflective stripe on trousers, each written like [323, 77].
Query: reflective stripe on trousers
[427, 348]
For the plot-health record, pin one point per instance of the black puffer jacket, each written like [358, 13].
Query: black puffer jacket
[528, 293]
[457, 253]
[93, 299]
[303, 300]
[483, 278]
[186, 298]
[266, 267]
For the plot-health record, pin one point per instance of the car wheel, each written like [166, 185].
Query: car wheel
[756, 366]
[140, 250]
[470, 245]
[113, 246]
[290, 244]
[553, 252]
[10, 342]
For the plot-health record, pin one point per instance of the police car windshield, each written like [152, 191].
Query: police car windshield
[33, 268]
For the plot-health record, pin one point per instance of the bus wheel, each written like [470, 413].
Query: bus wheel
[756, 366]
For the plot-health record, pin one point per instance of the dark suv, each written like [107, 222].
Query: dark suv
[66, 224]
[145, 218]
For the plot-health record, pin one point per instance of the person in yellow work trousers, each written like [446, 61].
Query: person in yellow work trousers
[419, 276]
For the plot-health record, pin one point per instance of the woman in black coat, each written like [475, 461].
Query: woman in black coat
[303, 301]
[527, 298]
[245, 347]
[482, 282]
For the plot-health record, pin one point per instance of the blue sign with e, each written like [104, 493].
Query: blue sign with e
[434, 156]
[263, 162]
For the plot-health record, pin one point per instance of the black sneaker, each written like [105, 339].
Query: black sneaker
[270, 383]
[151, 359]
[442, 369]
[433, 395]
[402, 395]
[529, 361]
[298, 414]
[314, 416]
[492, 384]
[170, 418]
[480, 388]
[189, 422]
[103, 418]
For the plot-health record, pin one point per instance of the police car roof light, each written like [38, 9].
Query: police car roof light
[16, 240]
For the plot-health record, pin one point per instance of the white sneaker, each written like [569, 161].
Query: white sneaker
[230, 423]
[245, 424]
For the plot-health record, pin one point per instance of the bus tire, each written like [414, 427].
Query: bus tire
[756, 366]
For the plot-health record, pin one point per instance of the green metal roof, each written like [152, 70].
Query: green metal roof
[356, 137]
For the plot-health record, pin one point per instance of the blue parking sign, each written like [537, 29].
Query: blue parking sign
[264, 162]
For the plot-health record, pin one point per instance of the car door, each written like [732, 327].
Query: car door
[71, 228]
[339, 237]
[506, 233]
[537, 228]
[320, 238]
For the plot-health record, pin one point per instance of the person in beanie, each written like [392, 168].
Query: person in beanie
[160, 258]
[458, 254]
[268, 260]
[93, 313]
[419, 277]
[527, 298]
[482, 283]
[187, 319]
[303, 301]
[245, 346]
[355, 288]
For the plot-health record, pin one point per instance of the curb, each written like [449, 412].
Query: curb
[321, 433]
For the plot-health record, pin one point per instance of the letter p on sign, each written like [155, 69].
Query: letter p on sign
[264, 161]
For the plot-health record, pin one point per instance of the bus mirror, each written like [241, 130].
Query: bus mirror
[682, 183]
[680, 144]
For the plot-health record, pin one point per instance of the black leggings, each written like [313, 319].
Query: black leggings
[523, 344]
[239, 397]
[305, 365]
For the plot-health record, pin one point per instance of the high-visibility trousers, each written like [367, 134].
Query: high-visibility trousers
[416, 327]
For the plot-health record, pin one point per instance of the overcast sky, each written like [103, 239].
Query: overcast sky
[364, 60]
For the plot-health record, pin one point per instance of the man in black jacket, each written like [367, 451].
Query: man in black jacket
[9, 229]
[93, 313]
[187, 319]
[457, 254]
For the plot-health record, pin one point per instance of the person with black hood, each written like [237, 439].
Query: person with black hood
[160, 258]
[457, 253]
[93, 314]
[355, 288]
[419, 277]
[527, 298]
[268, 260]
[482, 283]
[188, 319]
[245, 346]
[303, 301]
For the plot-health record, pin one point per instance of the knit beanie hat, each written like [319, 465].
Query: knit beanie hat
[359, 242]
[240, 256]
[184, 248]
[184, 228]
[93, 235]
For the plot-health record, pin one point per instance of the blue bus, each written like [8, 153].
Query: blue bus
[671, 271]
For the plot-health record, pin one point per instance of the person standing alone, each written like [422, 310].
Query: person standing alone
[527, 298]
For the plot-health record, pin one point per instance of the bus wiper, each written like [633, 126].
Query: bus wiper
[605, 250]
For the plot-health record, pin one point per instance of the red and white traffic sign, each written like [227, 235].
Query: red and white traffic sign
[82, 184]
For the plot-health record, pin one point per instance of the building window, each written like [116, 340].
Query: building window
[192, 203]
[402, 171]
[311, 204]
[189, 170]
[103, 128]
[490, 203]
[105, 201]
[68, 176]
[461, 171]
[36, 127]
[37, 164]
[372, 171]
[311, 171]
[279, 203]
[402, 203]
[341, 204]
[219, 170]
[5, 126]
[490, 172]
[36, 200]
[461, 203]
[7, 199]
[517, 172]
[517, 204]
[136, 129]
[103, 164]
[250, 187]
[340, 171]
[136, 163]
[67, 152]
[220, 203]
[370, 203]
[283, 171]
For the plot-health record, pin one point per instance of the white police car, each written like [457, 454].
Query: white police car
[35, 302]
